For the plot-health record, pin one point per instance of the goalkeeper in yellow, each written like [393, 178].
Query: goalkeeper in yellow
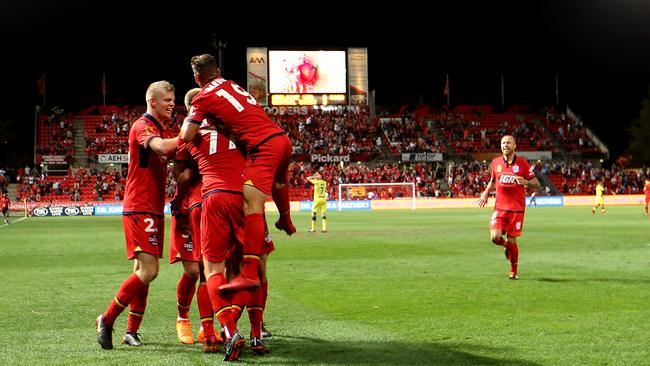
[320, 201]
[600, 200]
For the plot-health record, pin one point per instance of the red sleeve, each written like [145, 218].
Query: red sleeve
[145, 133]
[196, 114]
[530, 171]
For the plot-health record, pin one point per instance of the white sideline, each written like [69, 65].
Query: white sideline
[12, 222]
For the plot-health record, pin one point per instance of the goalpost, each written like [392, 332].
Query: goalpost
[361, 190]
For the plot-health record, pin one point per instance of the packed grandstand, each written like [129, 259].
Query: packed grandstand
[81, 157]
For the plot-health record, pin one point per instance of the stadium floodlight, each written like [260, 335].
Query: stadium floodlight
[403, 191]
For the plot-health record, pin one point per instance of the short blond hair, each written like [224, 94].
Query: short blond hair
[190, 95]
[153, 89]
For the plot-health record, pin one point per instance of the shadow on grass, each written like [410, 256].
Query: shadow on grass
[286, 350]
[628, 281]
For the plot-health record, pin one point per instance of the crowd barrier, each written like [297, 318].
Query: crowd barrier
[111, 209]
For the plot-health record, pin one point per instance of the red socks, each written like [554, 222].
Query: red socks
[221, 304]
[184, 293]
[255, 311]
[238, 303]
[130, 288]
[205, 310]
[513, 256]
[136, 310]
[253, 244]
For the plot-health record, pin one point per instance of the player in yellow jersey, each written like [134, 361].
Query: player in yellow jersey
[600, 200]
[320, 201]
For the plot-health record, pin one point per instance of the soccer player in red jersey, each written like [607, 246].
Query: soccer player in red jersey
[220, 164]
[646, 190]
[143, 215]
[268, 151]
[4, 205]
[511, 174]
[185, 247]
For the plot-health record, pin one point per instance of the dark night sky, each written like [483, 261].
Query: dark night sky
[599, 49]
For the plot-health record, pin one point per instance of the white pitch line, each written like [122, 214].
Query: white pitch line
[12, 222]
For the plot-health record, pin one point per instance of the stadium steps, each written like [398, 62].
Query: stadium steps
[12, 189]
[546, 181]
[450, 152]
[80, 157]
[552, 135]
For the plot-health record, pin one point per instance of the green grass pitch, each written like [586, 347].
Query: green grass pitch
[422, 287]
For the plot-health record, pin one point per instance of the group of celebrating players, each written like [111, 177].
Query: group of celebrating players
[229, 156]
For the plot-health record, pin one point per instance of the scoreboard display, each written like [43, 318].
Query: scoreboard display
[307, 77]
[307, 99]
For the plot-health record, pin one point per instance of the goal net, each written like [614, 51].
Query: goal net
[373, 191]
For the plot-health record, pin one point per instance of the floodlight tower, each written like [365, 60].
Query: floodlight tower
[219, 45]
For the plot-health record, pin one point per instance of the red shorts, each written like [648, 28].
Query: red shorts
[647, 199]
[508, 222]
[144, 233]
[185, 233]
[268, 164]
[222, 225]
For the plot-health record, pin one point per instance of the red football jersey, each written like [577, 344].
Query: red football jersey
[231, 107]
[220, 162]
[4, 202]
[510, 195]
[193, 197]
[646, 189]
[145, 183]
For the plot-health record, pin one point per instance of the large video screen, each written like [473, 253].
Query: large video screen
[307, 72]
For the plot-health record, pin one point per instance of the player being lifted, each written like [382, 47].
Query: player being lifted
[511, 174]
[220, 164]
[268, 151]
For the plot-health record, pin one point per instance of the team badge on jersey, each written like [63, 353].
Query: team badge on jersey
[515, 168]
[499, 169]
[149, 130]
[153, 239]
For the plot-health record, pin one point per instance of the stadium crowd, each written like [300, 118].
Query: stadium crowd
[369, 142]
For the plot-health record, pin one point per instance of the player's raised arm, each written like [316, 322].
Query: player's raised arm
[313, 177]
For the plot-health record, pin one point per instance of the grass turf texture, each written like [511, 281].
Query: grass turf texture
[380, 288]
